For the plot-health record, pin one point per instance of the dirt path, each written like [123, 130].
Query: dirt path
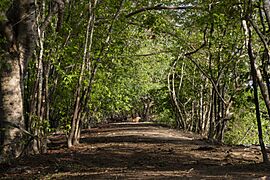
[139, 151]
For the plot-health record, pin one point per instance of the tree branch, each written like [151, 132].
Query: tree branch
[12, 124]
[189, 56]
[58, 7]
[159, 7]
[145, 55]
[210, 79]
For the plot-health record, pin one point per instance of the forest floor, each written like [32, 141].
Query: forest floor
[139, 151]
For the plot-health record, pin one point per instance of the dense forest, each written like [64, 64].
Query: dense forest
[195, 65]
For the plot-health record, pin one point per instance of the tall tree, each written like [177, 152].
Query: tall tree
[19, 33]
[74, 134]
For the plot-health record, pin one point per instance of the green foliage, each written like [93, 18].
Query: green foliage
[4, 5]
[134, 57]
[242, 129]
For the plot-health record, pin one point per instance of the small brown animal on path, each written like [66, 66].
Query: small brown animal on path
[136, 119]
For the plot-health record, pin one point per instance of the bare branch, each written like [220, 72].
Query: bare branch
[189, 56]
[159, 7]
[146, 55]
[210, 79]
[12, 124]
[58, 7]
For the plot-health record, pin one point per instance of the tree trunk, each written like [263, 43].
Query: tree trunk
[74, 132]
[171, 87]
[11, 108]
[21, 15]
[255, 79]
[211, 130]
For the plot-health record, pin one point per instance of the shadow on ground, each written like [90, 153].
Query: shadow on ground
[138, 151]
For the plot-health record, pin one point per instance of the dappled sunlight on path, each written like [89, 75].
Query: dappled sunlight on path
[140, 151]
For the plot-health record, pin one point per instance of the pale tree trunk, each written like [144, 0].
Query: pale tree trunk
[206, 110]
[181, 123]
[82, 95]
[35, 118]
[256, 79]
[211, 116]
[202, 111]
[39, 99]
[73, 137]
[263, 38]
[92, 69]
[21, 15]
[11, 108]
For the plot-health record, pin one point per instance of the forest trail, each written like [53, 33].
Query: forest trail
[139, 151]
